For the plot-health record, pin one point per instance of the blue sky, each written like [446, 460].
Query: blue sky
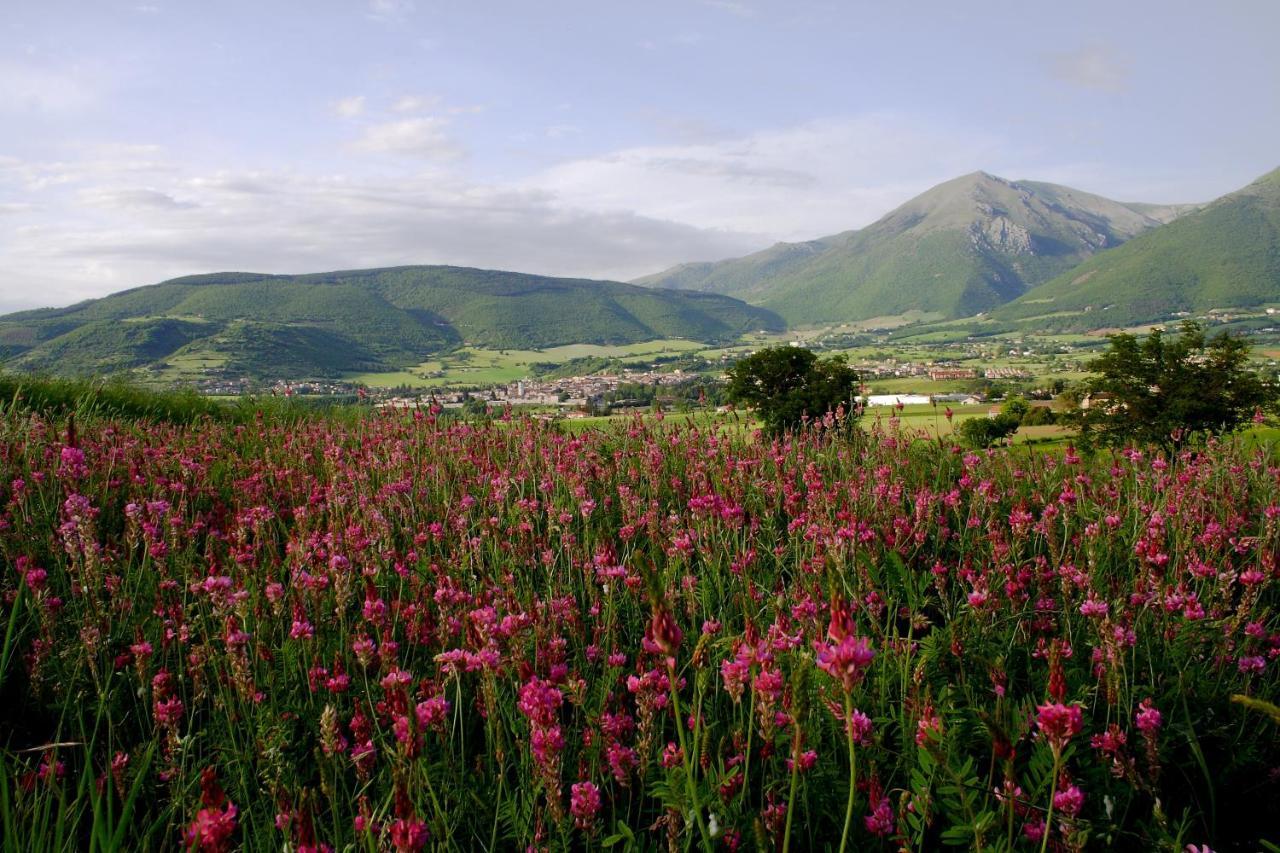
[144, 139]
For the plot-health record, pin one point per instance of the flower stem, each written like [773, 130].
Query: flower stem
[746, 764]
[853, 772]
[795, 781]
[690, 787]
[1053, 791]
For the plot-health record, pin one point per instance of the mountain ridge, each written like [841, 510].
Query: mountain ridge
[1226, 254]
[356, 320]
[962, 247]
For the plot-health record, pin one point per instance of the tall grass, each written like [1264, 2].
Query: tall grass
[118, 398]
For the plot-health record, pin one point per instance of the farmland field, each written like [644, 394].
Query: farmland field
[474, 366]
[399, 631]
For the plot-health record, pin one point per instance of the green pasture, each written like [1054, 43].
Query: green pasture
[469, 366]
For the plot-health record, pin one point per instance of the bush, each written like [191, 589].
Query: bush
[984, 432]
[1039, 416]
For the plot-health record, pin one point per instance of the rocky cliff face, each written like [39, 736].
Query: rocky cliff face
[1002, 235]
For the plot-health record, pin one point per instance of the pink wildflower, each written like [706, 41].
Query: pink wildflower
[1069, 801]
[212, 829]
[1148, 719]
[432, 712]
[845, 660]
[169, 711]
[584, 804]
[1059, 723]
[880, 822]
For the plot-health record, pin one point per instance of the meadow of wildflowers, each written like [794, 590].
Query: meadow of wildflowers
[405, 633]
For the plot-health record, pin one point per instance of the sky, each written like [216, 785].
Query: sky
[146, 139]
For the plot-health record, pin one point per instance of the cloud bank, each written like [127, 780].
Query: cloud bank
[118, 216]
[102, 233]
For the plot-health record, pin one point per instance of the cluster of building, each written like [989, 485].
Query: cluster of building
[938, 373]
[578, 390]
[873, 400]
[1006, 373]
[228, 387]
[289, 389]
[569, 392]
[225, 387]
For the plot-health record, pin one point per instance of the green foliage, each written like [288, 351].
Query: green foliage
[1039, 416]
[105, 346]
[985, 432]
[475, 407]
[580, 366]
[327, 324]
[1226, 255]
[786, 383]
[1164, 390]
[683, 395]
[284, 351]
[1015, 408]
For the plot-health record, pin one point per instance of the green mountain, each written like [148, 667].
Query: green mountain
[325, 324]
[1225, 255]
[963, 247]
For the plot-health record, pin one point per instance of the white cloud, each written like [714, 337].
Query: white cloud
[683, 127]
[1094, 67]
[560, 131]
[133, 199]
[28, 88]
[801, 182]
[120, 216]
[110, 234]
[415, 103]
[349, 107]
[423, 137]
[89, 164]
[732, 6]
[390, 11]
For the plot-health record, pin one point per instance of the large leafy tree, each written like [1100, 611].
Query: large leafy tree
[1165, 389]
[786, 383]
[984, 432]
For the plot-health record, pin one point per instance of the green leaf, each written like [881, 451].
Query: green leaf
[622, 832]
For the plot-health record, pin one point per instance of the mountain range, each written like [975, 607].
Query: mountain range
[1023, 254]
[327, 324]
[961, 248]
